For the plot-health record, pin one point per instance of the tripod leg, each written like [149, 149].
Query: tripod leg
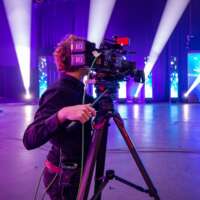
[100, 163]
[90, 161]
[101, 186]
[119, 122]
[110, 174]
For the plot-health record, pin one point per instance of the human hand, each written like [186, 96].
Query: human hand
[81, 113]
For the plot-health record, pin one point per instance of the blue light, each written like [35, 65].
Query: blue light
[173, 78]
[174, 85]
[42, 67]
[194, 74]
[122, 90]
[94, 94]
[148, 87]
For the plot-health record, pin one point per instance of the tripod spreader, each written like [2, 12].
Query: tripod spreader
[110, 174]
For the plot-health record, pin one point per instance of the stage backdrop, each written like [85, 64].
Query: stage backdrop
[138, 20]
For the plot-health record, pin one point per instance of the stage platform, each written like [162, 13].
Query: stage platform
[167, 137]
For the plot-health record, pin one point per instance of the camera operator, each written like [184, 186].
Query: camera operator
[58, 106]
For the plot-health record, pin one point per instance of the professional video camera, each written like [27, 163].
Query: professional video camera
[110, 66]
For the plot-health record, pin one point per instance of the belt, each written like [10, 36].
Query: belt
[55, 169]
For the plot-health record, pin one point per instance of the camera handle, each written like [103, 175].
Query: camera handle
[93, 104]
[97, 153]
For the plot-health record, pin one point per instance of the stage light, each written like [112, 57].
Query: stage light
[186, 95]
[122, 86]
[94, 94]
[19, 18]
[27, 95]
[99, 16]
[173, 78]
[148, 89]
[172, 62]
[194, 85]
[42, 69]
[170, 17]
[122, 90]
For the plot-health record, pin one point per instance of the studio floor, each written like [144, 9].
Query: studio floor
[167, 137]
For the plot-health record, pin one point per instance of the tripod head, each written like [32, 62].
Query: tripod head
[105, 104]
[105, 107]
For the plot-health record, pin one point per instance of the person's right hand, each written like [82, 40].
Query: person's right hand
[81, 113]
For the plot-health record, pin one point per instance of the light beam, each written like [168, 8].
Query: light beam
[194, 85]
[100, 13]
[170, 17]
[19, 18]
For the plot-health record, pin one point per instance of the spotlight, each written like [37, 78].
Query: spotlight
[138, 89]
[100, 13]
[94, 94]
[19, 18]
[148, 89]
[135, 95]
[186, 95]
[170, 17]
[122, 90]
[194, 85]
[27, 95]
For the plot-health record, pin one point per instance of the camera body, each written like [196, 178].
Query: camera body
[110, 67]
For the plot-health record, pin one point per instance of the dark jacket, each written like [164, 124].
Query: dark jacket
[68, 91]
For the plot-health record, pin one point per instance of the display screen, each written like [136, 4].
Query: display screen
[174, 80]
[194, 75]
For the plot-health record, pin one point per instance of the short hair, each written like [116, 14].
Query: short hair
[62, 54]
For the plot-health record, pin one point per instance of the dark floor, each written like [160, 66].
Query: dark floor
[167, 137]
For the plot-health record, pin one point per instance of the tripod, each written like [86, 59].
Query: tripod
[97, 153]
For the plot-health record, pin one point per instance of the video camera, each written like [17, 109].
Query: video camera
[110, 66]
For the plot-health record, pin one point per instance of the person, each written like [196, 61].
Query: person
[58, 107]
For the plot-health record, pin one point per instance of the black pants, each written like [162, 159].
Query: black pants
[65, 186]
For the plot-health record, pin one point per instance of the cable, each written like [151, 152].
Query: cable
[38, 185]
[50, 184]
[82, 131]
[54, 178]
